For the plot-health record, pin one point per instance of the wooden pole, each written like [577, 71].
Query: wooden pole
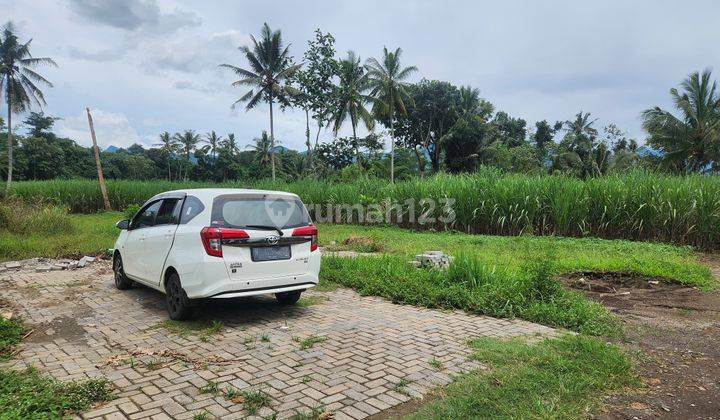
[101, 178]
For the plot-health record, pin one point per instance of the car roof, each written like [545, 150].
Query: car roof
[210, 193]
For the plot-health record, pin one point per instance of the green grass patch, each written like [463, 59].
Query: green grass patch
[88, 234]
[529, 292]
[309, 342]
[675, 263]
[28, 394]
[555, 378]
[311, 300]
[203, 329]
[11, 331]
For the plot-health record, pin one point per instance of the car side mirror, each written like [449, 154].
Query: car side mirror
[123, 224]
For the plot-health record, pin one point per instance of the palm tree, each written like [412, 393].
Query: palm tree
[169, 145]
[270, 65]
[263, 148]
[389, 92]
[18, 82]
[188, 139]
[581, 127]
[230, 144]
[691, 141]
[213, 141]
[351, 98]
[469, 100]
[580, 138]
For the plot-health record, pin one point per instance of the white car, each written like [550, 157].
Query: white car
[218, 243]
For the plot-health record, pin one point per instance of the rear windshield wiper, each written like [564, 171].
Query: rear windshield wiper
[266, 227]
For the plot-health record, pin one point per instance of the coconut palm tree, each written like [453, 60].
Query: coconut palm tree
[213, 141]
[580, 139]
[389, 92]
[469, 100]
[270, 65]
[188, 140]
[690, 141]
[169, 145]
[263, 147]
[19, 82]
[351, 98]
[230, 144]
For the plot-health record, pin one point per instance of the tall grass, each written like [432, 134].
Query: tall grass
[637, 206]
[18, 217]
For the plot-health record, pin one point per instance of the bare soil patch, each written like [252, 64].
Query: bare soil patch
[673, 333]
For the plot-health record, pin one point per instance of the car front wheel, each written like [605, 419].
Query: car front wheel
[178, 304]
[288, 298]
[121, 280]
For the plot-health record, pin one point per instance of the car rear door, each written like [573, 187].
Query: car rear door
[265, 251]
[159, 239]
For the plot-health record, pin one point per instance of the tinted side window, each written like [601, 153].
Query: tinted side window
[191, 208]
[146, 216]
[167, 214]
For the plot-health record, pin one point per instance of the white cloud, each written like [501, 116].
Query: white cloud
[111, 129]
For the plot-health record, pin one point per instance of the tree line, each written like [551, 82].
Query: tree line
[432, 125]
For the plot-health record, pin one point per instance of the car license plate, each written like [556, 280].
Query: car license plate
[270, 253]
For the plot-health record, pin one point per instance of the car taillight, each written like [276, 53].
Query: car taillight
[310, 231]
[212, 238]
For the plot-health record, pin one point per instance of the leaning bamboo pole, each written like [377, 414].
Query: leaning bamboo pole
[101, 178]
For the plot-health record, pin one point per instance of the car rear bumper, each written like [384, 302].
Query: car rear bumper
[250, 287]
[262, 291]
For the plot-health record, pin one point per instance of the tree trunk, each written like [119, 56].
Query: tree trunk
[392, 147]
[9, 142]
[272, 140]
[307, 136]
[169, 161]
[419, 161]
[317, 136]
[357, 147]
[101, 178]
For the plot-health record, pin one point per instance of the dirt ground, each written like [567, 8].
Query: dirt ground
[673, 333]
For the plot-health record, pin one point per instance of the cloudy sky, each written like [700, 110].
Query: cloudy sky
[145, 66]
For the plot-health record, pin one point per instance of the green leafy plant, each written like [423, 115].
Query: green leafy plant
[309, 342]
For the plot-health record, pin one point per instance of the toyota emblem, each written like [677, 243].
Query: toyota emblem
[272, 239]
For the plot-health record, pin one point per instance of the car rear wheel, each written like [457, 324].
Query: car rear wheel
[121, 280]
[288, 298]
[178, 304]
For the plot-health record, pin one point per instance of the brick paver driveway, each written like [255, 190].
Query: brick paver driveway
[83, 327]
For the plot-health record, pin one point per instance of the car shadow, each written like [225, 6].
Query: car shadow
[239, 311]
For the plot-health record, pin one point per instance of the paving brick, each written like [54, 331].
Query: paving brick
[370, 345]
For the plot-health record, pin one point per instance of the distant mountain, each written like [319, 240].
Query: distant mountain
[279, 149]
[643, 151]
[112, 149]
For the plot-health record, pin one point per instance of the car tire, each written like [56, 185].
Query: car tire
[122, 282]
[288, 298]
[176, 300]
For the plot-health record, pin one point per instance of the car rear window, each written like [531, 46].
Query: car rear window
[246, 211]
